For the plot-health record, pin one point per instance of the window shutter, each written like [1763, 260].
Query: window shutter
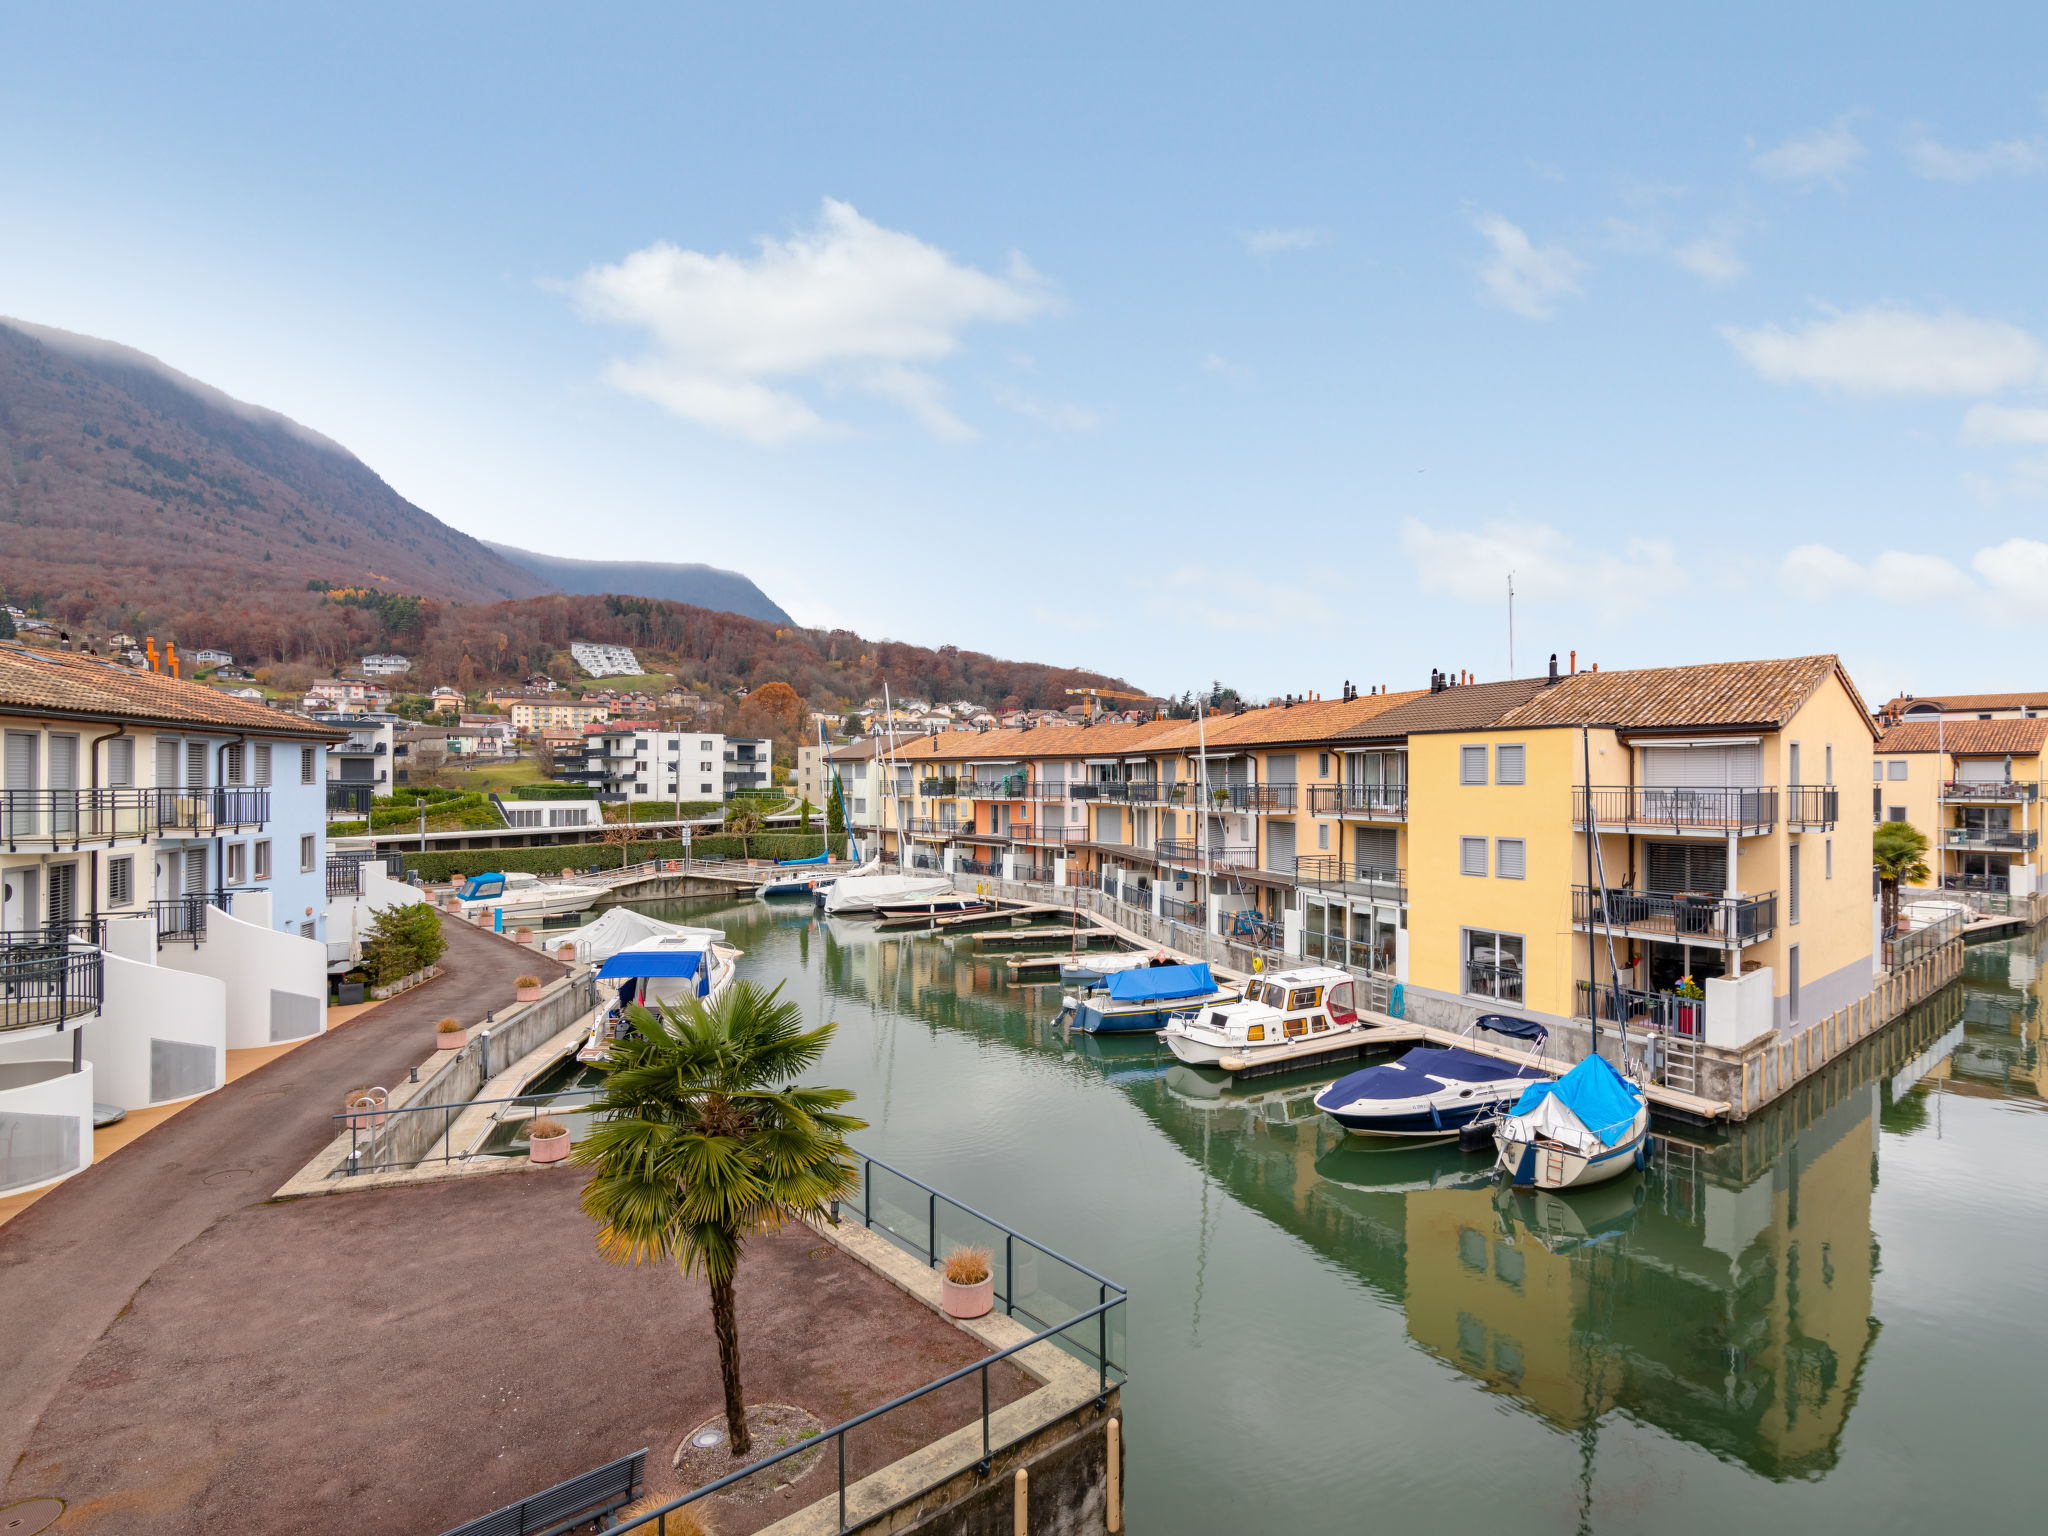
[1472, 765]
[1472, 854]
[1509, 857]
[305, 765]
[121, 762]
[166, 762]
[1687, 867]
[121, 880]
[262, 762]
[1510, 769]
[21, 759]
[195, 765]
[1792, 883]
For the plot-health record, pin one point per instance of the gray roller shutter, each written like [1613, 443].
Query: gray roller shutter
[1280, 847]
[1687, 866]
[1702, 767]
[1375, 848]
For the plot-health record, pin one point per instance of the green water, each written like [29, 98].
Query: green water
[1830, 1319]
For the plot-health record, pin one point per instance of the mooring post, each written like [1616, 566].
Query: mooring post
[1114, 1514]
[1021, 1520]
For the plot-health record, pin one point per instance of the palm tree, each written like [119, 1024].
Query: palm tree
[1898, 850]
[743, 819]
[700, 1143]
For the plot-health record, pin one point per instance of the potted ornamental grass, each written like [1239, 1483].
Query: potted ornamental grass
[449, 1035]
[967, 1286]
[365, 1107]
[522, 935]
[529, 988]
[547, 1141]
[566, 952]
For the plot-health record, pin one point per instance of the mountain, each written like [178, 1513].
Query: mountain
[701, 586]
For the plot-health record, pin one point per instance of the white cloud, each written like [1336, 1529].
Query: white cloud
[1938, 162]
[1474, 567]
[2017, 571]
[2005, 424]
[846, 303]
[1266, 242]
[1195, 600]
[1894, 352]
[1822, 155]
[1522, 276]
[1712, 258]
[1817, 571]
[1051, 413]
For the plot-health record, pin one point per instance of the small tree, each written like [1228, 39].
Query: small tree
[835, 811]
[803, 812]
[743, 819]
[700, 1142]
[403, 938]
[622, 833]
[1898, 851]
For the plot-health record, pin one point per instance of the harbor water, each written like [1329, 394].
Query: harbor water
[1828, 1319]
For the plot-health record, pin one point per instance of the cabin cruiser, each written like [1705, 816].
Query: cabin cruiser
[522, 896]
[1434, 1091]
[671, 968]
[1145, 998]
[1276, 1013]
[1589, 1126]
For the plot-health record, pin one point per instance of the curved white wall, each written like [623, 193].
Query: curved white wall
[276, 982]
[45, 1114]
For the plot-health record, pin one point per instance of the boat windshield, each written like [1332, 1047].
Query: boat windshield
[483, 885]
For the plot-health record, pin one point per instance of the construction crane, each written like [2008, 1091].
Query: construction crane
[1095, 696]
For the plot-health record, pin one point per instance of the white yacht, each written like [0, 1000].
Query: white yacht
[522, 896]
[670, 968]
[1277, 1012]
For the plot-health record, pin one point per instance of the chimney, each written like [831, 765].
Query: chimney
[1552, 682]
[1575, 663]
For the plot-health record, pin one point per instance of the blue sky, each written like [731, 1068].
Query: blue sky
[1184, 342]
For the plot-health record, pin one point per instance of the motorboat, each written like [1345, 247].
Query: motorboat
[522, 896]
[865, 895]
[1275, 1013]
[1087, 970]
[937, 905]
[1434, 1091]
[797, 877]
[1589, 1126]
[670, 968]
[1145, 998]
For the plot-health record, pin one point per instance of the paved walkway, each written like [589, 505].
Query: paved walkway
[72, 1261]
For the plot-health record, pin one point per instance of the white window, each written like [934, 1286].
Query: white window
[1472, 855]
[1792, 885]
[306, 853]
[1510, 858]
[262, 762]
[306, 767]
[263, 859]
[166, 762]
[238, 863]
[121, 762]
[1471, 765]
[1493, 965]
[121, 879]
[1898, 768]
[1898, 813]
[1322, 765]
[1509, 767]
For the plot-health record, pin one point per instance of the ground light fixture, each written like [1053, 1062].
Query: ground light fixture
[707, 1437]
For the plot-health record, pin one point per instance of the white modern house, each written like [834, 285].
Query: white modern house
[637, 762]
[604, 660]
[386, 666]
[162, 895]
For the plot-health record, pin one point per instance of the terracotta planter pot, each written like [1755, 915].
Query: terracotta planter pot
[523, 936]
[529, 994]
[548, 1149]
[976, 1300]
[454, 1042]
[566, 953]
[366, 1116]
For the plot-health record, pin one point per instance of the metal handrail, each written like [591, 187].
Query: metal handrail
[68, 818]
[1990, 789]
[1665, 1011]
[46, 980]
[208, 810]
[1388, 800]
[1812, 805]
[1979, 837]
[1261, 797]
[1742, 810]
[1188, 851]
[1677, 915]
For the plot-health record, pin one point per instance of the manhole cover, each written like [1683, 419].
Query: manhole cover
[228, 1176]
[30, 1516]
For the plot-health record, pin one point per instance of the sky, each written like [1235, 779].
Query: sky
[1261, 344]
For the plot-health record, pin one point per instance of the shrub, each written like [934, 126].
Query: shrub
[449, 1026]
[526, 981]
[967, 1266]
[439, 866]
[543, 1127]
[403, 939]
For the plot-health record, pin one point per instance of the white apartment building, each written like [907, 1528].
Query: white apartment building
[604, 660]
[649, 763]
[162, 895]
[213, 658]
[344, 696]
[386, 666]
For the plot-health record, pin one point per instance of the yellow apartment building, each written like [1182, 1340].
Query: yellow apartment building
[1974, 787]
[549, 712]
[1908, 708]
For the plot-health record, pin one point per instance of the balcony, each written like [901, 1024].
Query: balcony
[1696, 811]
[1253, 799]
[925, 826]
[1678, 917]
[182, 919]
[204, 812]
[1188, 853]
[1052, 836]
[1017, 788]
[1813, 807]
[1664, 1011]
[1990, 791]
[47, 977]
[1131, 792]
[930, 787]
[351, 799]
[1368, 802]
[70, 818]
[1988, 840]
[1325, 872]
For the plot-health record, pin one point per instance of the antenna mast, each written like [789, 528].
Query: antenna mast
[1511, 623]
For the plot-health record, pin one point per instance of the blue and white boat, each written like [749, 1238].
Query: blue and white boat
[1145, 998]
[670, 968]
[1434, 1091]
[797, 877]
[1589, 1126]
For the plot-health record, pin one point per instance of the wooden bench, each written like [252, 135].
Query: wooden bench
[593, 1497]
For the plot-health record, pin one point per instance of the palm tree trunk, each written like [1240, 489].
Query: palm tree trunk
[725, 1322]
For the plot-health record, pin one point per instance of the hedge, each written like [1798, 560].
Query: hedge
[584, 856]
[547, 792]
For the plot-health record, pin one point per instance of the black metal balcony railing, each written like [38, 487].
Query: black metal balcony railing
[926, 826]
[86, 930]
[46, 978]
[352, 798]
[1384, 802]
[1260, 798]
[182, 919]
[1996, 884]
[1746, 812]
[1326, 871]
[1815, 806]
[978, 867]
[1188, 851]
[1047, 834]
[69, 818]
[1682, 917]
[344, 878]
[206, 811]
[1993, 790]
[1998, 841]
[938, 786]
[1665, 1011]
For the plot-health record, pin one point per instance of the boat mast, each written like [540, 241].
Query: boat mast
[1202, 821]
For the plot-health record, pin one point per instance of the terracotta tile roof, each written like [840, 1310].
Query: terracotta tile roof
[1315, 720]
[37, 681]
[1468, 707]
[1967, 738]
[1762, 694]
[1955, 703]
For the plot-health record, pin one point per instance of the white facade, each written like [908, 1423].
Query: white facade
[604, 660]
[386, 666]
[213, 658]
[647, 763]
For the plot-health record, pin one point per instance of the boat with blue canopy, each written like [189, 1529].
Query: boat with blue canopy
[522, 896]
[672, 968]
[1434, 1091]
[1145, 998]
[1590, 1125]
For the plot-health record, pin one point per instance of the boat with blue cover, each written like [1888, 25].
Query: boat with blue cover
[670, 968]
[1589, 1126]
[1145, 998]
[1434, 1091]
[803, 878]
